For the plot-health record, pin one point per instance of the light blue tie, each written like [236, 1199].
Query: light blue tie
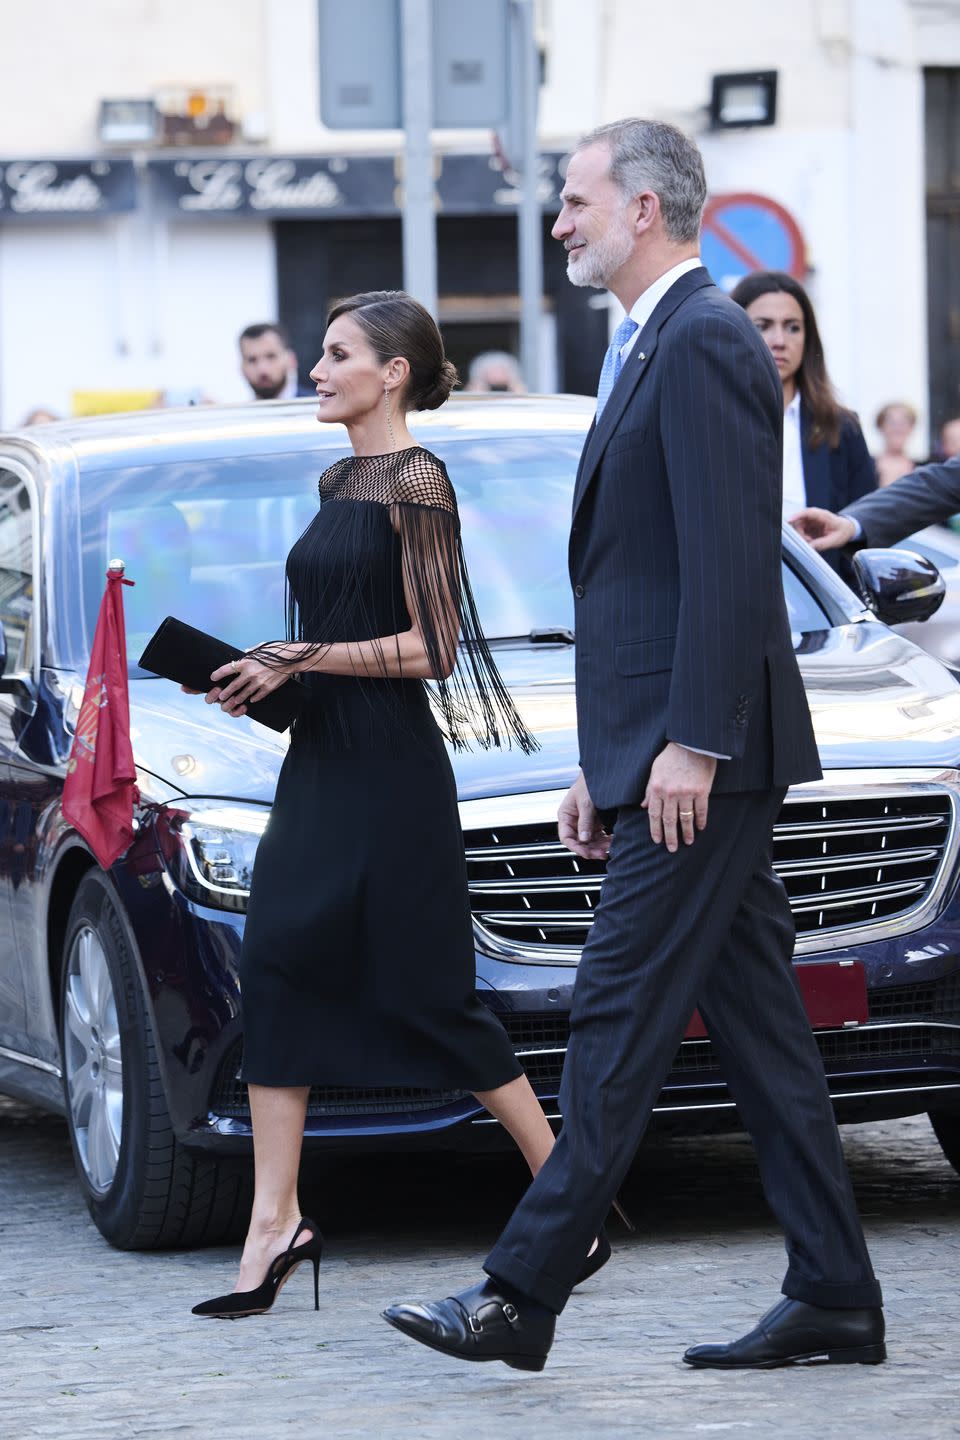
[612, 364]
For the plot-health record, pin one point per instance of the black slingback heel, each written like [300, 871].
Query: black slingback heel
[281, 1267]
[601, 1253]
[597, 1258]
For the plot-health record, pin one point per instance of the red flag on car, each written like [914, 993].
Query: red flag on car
[100, 790]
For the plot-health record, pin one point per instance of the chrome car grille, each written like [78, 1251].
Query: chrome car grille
[847, 861]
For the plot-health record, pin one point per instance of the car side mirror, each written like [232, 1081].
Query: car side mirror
[898, 585]
[20, 685]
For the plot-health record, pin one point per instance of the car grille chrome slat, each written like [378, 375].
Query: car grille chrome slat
[844, 898]
[534, 884]
[848, 862]
[498, 854]
[593, 883]
[785, 830]
[854, 862]
[510, 919]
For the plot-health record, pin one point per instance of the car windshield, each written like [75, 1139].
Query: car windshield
[206, 540]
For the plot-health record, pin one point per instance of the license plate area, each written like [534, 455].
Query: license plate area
[834, 993]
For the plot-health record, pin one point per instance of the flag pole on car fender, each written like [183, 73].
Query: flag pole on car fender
[100, 789]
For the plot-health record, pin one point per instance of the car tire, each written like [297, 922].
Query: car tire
[143, 1190]
[946, 1127]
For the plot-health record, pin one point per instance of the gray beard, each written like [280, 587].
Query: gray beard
[601, 260]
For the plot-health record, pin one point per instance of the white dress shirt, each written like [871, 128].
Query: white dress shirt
[651, 297]
[641, 311]
[794, 487]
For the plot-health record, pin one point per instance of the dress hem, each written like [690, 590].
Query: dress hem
[365, 1082]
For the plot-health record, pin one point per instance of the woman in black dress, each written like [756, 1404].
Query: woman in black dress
[357, 965]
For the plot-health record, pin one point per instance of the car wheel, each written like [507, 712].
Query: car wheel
[143, 1189]
[946, 1127]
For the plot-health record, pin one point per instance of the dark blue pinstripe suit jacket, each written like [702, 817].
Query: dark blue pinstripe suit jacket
[682, 630]
[835, 478]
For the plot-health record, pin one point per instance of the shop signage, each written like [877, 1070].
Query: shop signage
[274, 185]
[66, 189]
[472, 184]
[364, 185]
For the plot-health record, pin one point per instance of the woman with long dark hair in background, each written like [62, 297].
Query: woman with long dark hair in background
[825, 457]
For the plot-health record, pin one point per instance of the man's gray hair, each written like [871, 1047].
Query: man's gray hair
[649, 155]
[501, 358]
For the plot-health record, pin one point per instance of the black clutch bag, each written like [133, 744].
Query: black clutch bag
[179, 652]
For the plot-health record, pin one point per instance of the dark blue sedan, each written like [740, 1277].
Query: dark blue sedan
[119, 1003]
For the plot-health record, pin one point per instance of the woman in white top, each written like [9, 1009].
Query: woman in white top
[825, 457]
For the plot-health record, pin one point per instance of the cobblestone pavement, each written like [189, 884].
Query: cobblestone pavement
[94, 1343]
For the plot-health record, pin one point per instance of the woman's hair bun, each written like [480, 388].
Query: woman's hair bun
[432, 395]
[396, 324]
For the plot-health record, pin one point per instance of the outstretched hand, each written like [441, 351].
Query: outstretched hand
[678, 795]
[823, 529]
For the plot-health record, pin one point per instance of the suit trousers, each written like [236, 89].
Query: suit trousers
[708, 926]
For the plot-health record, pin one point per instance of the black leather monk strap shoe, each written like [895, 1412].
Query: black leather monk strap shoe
[793, 1333]
[480, 1324]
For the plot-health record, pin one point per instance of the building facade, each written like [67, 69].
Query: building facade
[132, 267]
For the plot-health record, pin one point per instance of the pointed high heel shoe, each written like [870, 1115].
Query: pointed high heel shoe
[281, 1267]
[597, 1258]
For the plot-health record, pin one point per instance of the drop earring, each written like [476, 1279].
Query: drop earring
[386, 406]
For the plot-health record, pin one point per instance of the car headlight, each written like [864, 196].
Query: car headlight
[211, 848]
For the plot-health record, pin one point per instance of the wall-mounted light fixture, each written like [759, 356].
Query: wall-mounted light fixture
[746, 98]
[127, 122]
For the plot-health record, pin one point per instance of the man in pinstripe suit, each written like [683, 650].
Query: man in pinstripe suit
[693, 721]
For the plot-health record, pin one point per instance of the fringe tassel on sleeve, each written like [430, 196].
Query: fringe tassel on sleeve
[468, 690]
[336, 606]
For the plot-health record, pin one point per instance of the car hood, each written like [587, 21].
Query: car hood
[876, 700]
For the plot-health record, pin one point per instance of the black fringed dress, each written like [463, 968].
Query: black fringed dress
[357, 967]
